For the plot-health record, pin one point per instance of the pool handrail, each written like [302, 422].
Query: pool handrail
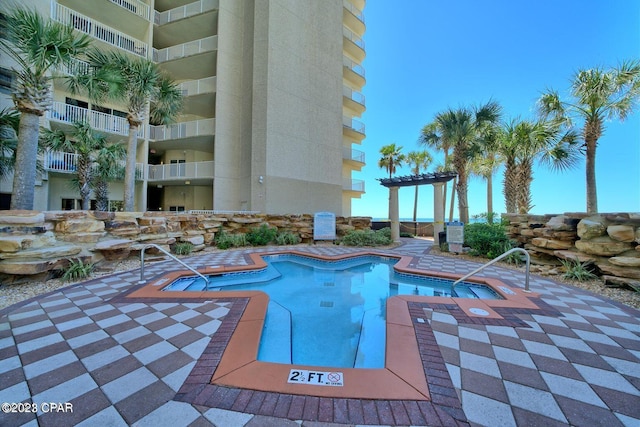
[509, 252]
[152, 245]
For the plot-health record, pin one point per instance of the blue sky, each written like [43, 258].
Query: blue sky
[426, 55]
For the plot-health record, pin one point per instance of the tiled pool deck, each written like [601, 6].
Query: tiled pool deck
[575, 361]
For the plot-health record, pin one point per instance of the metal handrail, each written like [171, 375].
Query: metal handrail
[152, 245]
[526, 279]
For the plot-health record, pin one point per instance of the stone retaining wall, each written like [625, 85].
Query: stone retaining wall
[33, 242]
[611, 241]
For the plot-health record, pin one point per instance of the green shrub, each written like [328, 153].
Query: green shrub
[182, 248]
[486, 240]
[367, 237]
[287, 238]
[225, 240]
[77, 270]
[580, 271]
[261, 236]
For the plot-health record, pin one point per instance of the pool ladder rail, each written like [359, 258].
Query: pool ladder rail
[164, 251]
[493, 261]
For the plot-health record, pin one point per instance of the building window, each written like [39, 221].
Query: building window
[176, 208]
[6, 80]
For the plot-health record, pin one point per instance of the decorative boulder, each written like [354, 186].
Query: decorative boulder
[621, 233]
[602, 246]
[589, 228]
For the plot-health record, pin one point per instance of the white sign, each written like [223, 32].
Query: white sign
[300, 376]
[324, 226]
[455, 232]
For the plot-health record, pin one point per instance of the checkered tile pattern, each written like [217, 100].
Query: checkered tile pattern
[575, 361]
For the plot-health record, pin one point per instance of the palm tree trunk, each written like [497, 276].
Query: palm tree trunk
[592, 193]
[102, 195]
[453, 198]
[510, 186]
[84, 177]
[24, 177]
[130, 169]
[415, 205]
[490, 198]
[463, 205]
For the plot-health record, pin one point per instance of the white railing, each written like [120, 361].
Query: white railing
[185, 11]
[220, 212]
[353, 95]
[187, 49]
[99, 121]
[353, 154]
[59, 161]
[354, 10]
[134, 6]
[353, 124]
[356, 68]
[196, 87]
[353, 185]
[182, 130]
[350, 35]
[190, 170]
[75, 67]
[95, 29]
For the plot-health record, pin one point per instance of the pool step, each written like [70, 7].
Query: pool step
[277, 334]
[373, 330]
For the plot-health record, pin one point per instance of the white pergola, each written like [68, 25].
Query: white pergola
[437, 179]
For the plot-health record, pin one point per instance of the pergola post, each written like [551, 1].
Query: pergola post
[394, 214]
[438, 211]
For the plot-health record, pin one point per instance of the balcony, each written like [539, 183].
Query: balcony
[69, 114]
[353, 185]
[97, 30]
[180, 171]
[353, 17]
[353, 72]
[185, 11]
[61, 162]
[353, 129]
[208, 44]
[198, 87]
[353, 45]
[134, 6]
[183, 130]
[353, 100]
[353, 155]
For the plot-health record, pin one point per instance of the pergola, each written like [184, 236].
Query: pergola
[437, 179]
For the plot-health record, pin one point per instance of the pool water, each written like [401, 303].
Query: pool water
[329, 313]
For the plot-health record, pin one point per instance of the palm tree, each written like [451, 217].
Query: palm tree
[145, 89]
[107, 167]
[596, 95]
[514, 133]
[38, 46]
[85, 142]
[9, 122]
[418, 160]
[463, 127]
[391, 158]
[486, 165]
[431, 136]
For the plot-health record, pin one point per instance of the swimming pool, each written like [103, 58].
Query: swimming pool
[329, 313]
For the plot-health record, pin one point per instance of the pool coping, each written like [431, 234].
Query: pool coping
[239, 368]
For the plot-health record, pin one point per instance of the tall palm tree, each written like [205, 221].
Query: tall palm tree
[431, 136]
[84, 142]
[418, 160]
[486, 165]
[514, 133]
[39, 47]
[108, 166]
[463, 128]
[392, 158]
[9, 122]
[147, 91]
[596, 95]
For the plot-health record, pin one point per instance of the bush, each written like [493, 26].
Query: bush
[261, 236]
[367, 237]
[287, 238]
[486, 240]
[182, 248]
[577, 270]
[226, 240]
[77, 270]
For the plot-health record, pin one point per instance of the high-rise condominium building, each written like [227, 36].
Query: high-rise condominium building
[272, 93]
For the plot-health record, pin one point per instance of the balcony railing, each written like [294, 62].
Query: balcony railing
[103, 122]
[353, 154]
[96, 29]
[134, 6]
[182, 130]
[61, 162]
[353, 185]
[196, 87]
[353, 124]
[187, 49]
[185, 11]
[353, 95]
[190, 170]
[75, 67]
[356, 68]
[354, 10]
[350, 35]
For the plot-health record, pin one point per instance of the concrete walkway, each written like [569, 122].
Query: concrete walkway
[81, 356]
